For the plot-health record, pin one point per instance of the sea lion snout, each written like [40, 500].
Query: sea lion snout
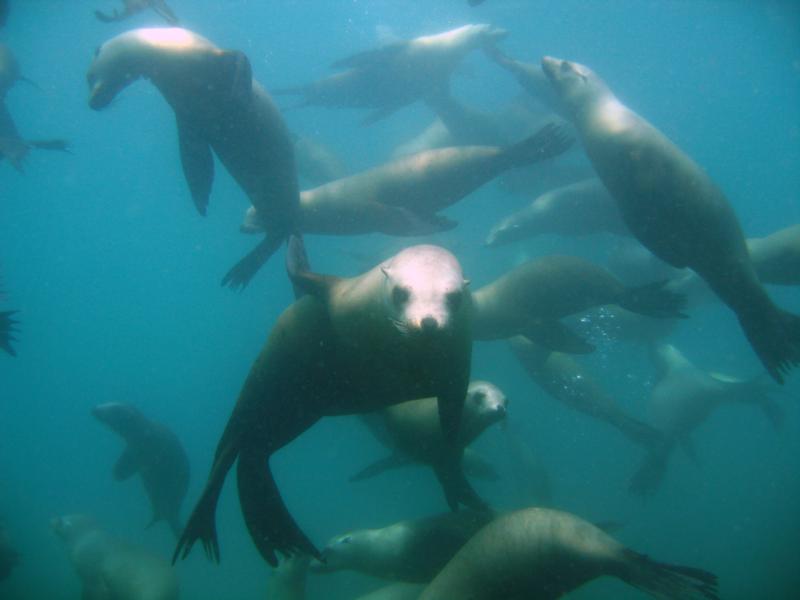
[429, 324]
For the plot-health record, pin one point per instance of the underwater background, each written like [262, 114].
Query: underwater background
[116, 279]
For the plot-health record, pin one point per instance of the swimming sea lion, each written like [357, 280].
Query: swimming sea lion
[155, 453]
[672, 207]
[682, 399]
[317, 164]
[398, 332]
[581, 208]
[532, 297]
[288, 581]
[9, 557]
[218, 105]
[413, 551]
[404, 196]
[131, 7]
[397, 74]
[569, 382]
[7, 331]
[415, 432]
[544, 553]
[111, 569]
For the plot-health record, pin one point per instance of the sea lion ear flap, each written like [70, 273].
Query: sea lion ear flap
[236, 64]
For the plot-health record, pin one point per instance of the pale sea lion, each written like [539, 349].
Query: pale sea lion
[404, 196]
[532, 297]
[683, 398]
[132, 7]
[577, 209]
[398, 332]
[9, 557]
[111, 569]
[413, 551]
[288, 581]
[544, 554]
[569, 382]
[397, 74]
[415, 432]
[218, 105]
[155, 453]
[672, 207]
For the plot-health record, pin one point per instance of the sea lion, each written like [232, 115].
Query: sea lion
[404, 196]
[111, 569]
[543, 553]
[415, 432]
[131, 7]
[682, 399]
[397, 74]
[569, 382]
[9, 557]
[531, 78]
[672, 207]
[577, 209]
[395, 591]
[155, 453]
[413, 551]
[398, 332]
[288, 581]
[532, 297]
[218, 105]
[317, 164]
[7, 329]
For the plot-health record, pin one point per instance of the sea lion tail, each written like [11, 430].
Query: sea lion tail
[550, 141]
[243, 271]
[666, 581]
[653, 300]
[774, 334]
[7, 330]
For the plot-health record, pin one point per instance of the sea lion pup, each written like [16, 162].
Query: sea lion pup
[569, 382]
[542, 553]
[9, 557]
[577, 209]
[413, 551]
[395, 75]
[218, 105]
[532, 297]
[155, 453]
[131, 7]
[404, 196]
[415, 432]
[674, 208]
[288, 581]
[111, 569]
[398, 332]
[682, 399]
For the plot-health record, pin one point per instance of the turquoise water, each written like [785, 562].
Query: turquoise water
[116, 280]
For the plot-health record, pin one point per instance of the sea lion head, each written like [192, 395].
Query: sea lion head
[117, 416]
[341, 552]
[576, 85]
[71, 527]
[484, 405]
[424, 289]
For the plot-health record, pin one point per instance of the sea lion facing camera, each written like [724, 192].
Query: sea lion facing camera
[155, 453]
[398, 332]
[672, 207]
[543, 553]
[111, 569]
[218, 105]
[131, 7]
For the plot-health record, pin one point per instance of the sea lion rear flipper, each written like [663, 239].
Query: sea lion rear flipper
[197, 162]
[243, 271]
[127, 465]
[7, 331]
[653, 300]
[556, 336]
[303, 280]
[774, 334]
[393, 461]
[662, 580]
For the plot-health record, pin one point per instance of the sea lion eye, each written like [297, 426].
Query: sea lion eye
[454, 299]
[400, 295]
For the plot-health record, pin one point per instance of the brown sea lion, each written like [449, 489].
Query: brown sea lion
[413, 551]
[218, 106]
[132, 7]
[398, 332]
[397, 74]
[673, 207]
[155, 453]
[404, 196]
[544, 554]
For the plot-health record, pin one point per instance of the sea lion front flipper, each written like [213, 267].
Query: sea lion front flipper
[556, 336]
[237, 67]
[393, 461]
[243, 271]
[197, 162]
[127, 465]
[303, 280]
[164, 11]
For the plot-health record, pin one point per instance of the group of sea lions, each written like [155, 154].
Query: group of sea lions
[394, 344]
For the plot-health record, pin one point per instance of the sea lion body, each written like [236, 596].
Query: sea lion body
[542, 554]
[219, 106]
[398, 332]
[288, 581]
[413, 551]
[577, 209]
[111, 569]
[776, 257]
[132, 7]
[317, 164]
[672, 207]
[155, 453]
